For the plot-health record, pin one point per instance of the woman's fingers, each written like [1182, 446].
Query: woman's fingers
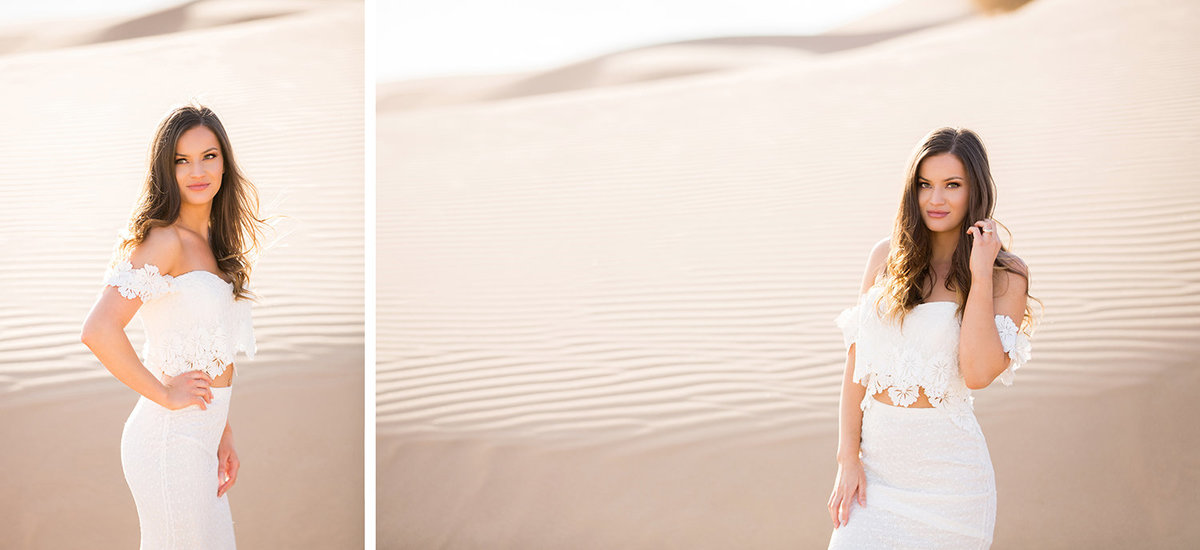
[223, 486]
[203, 381]
[199, 377]
[234, 465]
[204, 394]
[839, 505]
[227, 475]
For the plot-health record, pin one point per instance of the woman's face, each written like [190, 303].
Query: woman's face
[198, 165]
[942, 179]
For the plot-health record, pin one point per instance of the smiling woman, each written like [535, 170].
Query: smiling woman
[184, 265]
[199, 165]
[937, 318]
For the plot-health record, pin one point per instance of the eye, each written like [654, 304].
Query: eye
[924, 185]
[954, 183]
[210, 156]
[181, 161]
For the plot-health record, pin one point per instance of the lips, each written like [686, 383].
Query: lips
[198, 186]
[936, 214]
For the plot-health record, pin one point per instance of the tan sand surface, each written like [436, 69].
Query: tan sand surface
[606, 313]
[78, 118]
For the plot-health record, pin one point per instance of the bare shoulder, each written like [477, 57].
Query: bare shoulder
[879, 252]
[1014, 262]
[162, 247]
[1011, 288]
[1015, 279]
[876, 262]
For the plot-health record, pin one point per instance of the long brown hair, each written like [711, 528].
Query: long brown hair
[908, 264]
[234, 225]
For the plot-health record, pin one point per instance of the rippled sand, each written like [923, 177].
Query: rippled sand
[80, 103]
[606, 306]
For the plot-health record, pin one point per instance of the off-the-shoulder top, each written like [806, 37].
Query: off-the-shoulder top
[924, 354]
[192, 321]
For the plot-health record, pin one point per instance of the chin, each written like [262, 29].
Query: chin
[199, 201]
[940, 227]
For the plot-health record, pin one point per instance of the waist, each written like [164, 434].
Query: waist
[214, 411]
[222, 377]
[922, 401]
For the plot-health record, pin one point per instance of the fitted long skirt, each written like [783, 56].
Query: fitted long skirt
[170, 462]
[930, 483]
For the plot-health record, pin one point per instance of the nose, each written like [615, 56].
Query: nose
[195, 170]
[938, 196]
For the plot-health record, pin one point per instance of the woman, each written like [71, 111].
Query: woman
[935, 321]
[185, 263]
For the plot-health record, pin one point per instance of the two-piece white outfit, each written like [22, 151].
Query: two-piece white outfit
[930, 483]
[169, 457]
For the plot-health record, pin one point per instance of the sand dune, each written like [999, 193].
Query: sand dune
[78, 122]
[656, 62]
[185, 16]
[606, 314]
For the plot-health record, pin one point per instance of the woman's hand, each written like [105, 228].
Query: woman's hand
[189, 388]
[851, 483]
[227, 462]
[985, 246]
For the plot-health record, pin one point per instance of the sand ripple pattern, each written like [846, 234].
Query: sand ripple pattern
[639, 270]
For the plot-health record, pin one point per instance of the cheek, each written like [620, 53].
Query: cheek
[960, 199]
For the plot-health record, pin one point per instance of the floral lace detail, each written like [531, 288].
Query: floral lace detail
[1016, 344]
[923, 354]
[144, 282]
[205, 349]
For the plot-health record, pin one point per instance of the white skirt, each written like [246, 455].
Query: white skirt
[170, 462]
[930, 483]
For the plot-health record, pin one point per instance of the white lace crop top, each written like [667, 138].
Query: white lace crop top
[192, 321]
[924, 354]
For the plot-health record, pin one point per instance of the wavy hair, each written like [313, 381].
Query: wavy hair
[908, 269]
[234, 226]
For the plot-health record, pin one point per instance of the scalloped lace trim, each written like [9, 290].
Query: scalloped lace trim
[1016, 344]
[208, 350]
[144, 282]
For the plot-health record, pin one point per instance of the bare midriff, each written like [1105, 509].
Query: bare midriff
[225, 379]
[922, 401]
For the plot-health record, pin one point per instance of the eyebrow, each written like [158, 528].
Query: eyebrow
[202, 152]
[919, 178]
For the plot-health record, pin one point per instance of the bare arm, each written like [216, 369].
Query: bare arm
[851, 481]
[104, 330]
[849, 411]
[981, 356]
[104, 333]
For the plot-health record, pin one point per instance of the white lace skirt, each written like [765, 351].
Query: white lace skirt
[930, 484]
[170, 463]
